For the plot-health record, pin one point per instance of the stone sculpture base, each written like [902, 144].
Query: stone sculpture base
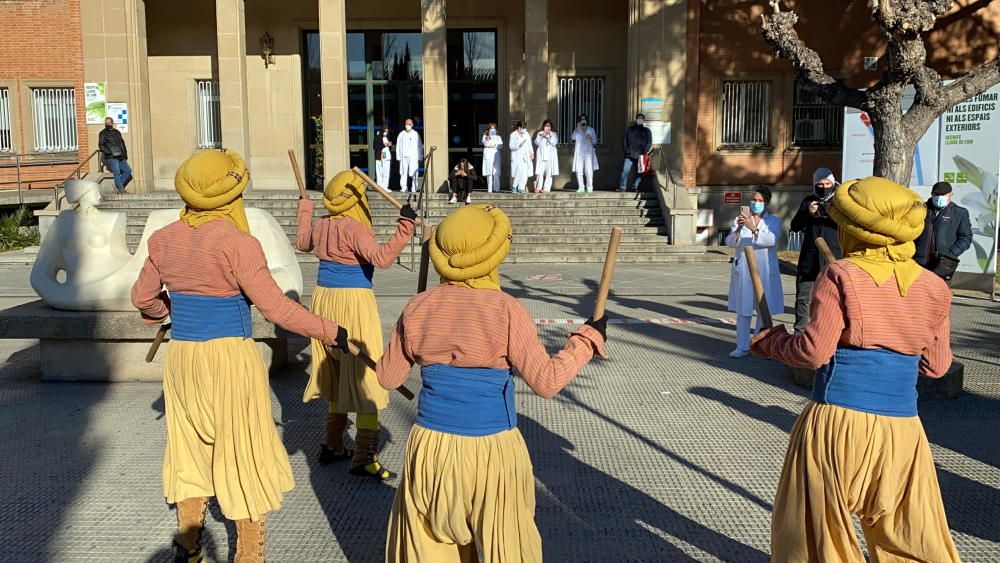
[110, 345]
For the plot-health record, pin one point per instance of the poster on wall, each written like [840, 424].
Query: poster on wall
[652, 110]
[119, 112]
[970, 161]
[859, 147]
[93, 95]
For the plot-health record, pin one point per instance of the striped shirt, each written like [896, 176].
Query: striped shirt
[848, 309]
[346, 241]
[464, 327]
[218, 260]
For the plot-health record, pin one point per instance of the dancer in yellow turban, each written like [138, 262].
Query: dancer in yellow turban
[467, 492]
[348, 253]
[877, 321]
[221, 439]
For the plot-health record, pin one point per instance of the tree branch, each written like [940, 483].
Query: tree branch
[972, 84]
[779, 32]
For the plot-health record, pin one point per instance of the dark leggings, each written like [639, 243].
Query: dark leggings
[460, 186]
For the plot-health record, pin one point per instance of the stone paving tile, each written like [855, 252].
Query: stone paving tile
[668, 451]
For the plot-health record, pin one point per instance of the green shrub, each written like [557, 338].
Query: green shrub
[15, 230]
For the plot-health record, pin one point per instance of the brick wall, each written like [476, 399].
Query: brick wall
[41, 40]
[729, 43]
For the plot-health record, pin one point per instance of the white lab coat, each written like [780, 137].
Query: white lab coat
[409, 153]
[521, 155]
[491, 154]
[383, 164]
[584, 154]
[546, 156]
[741, 294]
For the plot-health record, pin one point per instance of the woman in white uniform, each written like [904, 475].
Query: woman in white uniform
[521, 156]
[491, 142]
[584, 155]
[383, 157]
[409, 153]
[762, 231]
[546, 158]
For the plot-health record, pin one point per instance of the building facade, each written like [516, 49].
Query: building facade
[322, 76]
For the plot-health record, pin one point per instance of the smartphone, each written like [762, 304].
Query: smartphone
[745, 212]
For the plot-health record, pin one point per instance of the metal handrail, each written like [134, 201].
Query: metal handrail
[75, 173]
[18, 164]
[424, 202]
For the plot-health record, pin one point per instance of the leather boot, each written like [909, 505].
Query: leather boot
[332, 449]
[190, 521]
[250, 539]
[366, 461]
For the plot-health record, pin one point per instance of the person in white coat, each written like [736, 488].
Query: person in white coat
[762, 231]
[491, 142]
[383, 157]
[409, 153]
[521, 156]
[546, 157]
[584, 154]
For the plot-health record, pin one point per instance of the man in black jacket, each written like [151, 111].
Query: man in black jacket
[112, 146]
[947, 233]
[637, 141]
[813, 221]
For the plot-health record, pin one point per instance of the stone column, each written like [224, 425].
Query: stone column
[333, 73]
[536, 62]
[141, 148]
[230, 27]
[434, 29]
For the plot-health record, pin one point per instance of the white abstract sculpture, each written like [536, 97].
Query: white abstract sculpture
[84, 264]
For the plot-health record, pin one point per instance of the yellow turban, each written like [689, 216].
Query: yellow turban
[211, 183]
[345, 196]
[878, 221]
[469, 245]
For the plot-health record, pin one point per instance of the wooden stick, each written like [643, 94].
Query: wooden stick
[354, 350]
[609, 269]
[298, 174]
[157, 340]
[824, 249]
[425, 259]
[381, 191]
[758, 288]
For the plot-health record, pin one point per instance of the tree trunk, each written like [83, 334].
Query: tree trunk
[893, 145]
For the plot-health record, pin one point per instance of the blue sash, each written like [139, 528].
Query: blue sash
[466, 401]
[873, 381]
[335, 274]
[199, 317]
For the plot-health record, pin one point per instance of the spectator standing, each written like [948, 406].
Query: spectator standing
[584, 154]
[383, 157]
[521, 157]
[546, 157]
[757, 228]
[947, 233]
[491, 142]
[813, 221]
[112, 147]
[409, 153]
[637, 141]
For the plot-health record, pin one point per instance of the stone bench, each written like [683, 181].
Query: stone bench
[110, 345]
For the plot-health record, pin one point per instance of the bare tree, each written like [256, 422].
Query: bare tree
[902, 24]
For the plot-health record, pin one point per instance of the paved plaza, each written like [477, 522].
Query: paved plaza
[669, 451]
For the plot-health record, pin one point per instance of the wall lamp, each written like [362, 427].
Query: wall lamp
[267, 49]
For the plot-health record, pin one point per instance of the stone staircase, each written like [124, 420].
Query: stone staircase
[562, 227]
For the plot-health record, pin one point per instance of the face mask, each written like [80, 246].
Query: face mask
[824, 193]
[638, 121]
[409, 127]
[583, 122]
[939, 201]
[109, 126]
[493, 131]
[756, 207]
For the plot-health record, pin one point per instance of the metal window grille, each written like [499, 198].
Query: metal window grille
[580, 95]
[746, 113]
[209, 124]
[815, 122]
[6, 140]
[55, 119]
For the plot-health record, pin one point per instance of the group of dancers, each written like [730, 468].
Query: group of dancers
[466, 491]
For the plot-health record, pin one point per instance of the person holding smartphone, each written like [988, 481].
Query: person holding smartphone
[491, 142]
[546, 158]
[757, 228]
[584, 155]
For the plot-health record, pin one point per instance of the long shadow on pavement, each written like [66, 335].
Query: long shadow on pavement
[585, 514]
